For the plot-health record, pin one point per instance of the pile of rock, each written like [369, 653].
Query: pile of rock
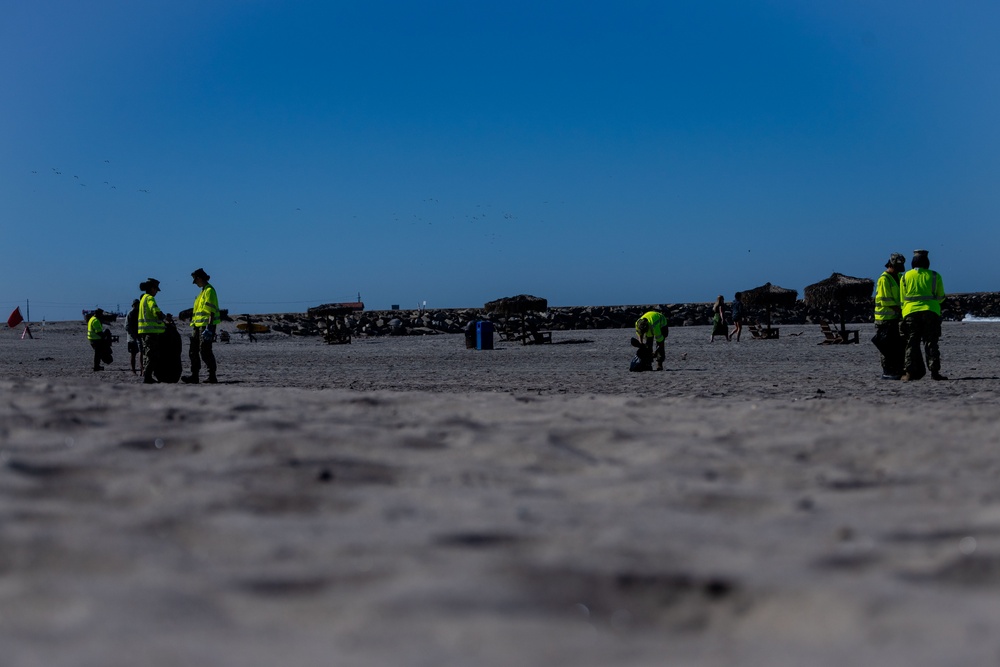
[574, 318]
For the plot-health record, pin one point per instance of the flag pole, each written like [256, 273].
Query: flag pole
[27, 308]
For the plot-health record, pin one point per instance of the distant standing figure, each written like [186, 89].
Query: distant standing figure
[921, 291]
[888, 314]
[100, 341]
[653, 326]
[719, 326]
[132, 334]
[150, 327]
[737, 315]
[204, 319]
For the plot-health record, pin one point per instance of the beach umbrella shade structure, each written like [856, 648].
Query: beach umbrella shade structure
[838, 291]
[768, 296]
[518, 305]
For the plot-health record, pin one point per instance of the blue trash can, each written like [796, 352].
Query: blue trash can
[484, 335]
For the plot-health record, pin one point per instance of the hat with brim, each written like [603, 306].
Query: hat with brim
[148, 284]
[200, 273]
[896, 259]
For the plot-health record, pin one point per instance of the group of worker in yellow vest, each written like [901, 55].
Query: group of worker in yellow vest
[908, 316]
[152, 324]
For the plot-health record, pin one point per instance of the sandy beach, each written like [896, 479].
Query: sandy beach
[407, 501]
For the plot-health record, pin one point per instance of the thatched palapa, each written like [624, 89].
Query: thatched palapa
[839, 290]
[516, 305]
[768, 296]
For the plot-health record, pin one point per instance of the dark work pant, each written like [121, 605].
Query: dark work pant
[199, 351]
[891, 347]
[922, 327]
[151, 347]
[98, 346]
[660, 354]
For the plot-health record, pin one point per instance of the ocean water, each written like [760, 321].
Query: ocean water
[973, 318]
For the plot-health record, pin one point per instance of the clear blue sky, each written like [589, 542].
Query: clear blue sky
[458, 152]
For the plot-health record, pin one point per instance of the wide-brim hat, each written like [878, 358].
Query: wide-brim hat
[200, 273]
[896, 259]
[148, 283]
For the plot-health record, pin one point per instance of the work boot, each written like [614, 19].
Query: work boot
[190, 379]
[906, 378]
[937, 376]
[212, 379]
[659, 365]
[98, 368]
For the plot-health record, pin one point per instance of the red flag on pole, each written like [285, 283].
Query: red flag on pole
[15, 318]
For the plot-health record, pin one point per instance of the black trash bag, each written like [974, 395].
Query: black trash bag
[884, 341]
[105, 351]
[168, 363]
[643, 359]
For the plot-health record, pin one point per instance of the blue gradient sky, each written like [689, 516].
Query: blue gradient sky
[457, 152]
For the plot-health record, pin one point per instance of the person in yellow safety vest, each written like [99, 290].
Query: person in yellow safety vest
[888, 314]
[204, 318]
[921, 292]
[653, 326]
[97, 339]
[151, 327]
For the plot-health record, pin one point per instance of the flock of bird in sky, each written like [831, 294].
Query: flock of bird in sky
[480, 215]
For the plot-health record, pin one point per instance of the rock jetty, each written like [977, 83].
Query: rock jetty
[576, 318]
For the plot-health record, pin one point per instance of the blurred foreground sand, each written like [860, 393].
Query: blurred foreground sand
[405, 501]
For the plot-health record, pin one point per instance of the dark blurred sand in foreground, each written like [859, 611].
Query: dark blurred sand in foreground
[406, 501]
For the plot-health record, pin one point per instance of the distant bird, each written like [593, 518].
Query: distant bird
[58, 173]
[141, 190]
[108, 161]
[75, 176]
[33, 171]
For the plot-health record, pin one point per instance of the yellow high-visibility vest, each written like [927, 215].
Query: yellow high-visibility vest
[920, 290]
[150, 316]
[94, 328]
[658, 325]
[887, 301]
[206, 308]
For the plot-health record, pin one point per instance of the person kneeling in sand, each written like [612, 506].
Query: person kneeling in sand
[653, 326]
